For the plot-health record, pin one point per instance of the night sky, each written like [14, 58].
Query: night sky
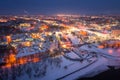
[59, 6]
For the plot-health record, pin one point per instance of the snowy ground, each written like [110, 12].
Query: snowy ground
[59, 67]
[84, 61]
[62, 68]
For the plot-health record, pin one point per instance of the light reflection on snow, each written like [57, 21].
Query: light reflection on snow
[110, 51]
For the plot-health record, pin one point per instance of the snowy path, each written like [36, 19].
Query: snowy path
[76, 70]
[93, 68]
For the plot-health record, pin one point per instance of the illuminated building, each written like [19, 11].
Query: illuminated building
[25, 25]
[8, 39]
[4, 40]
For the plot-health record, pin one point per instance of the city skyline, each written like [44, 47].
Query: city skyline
[59, 40]
[17, 7]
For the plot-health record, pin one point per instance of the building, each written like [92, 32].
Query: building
[115, 30]
[5, 53]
